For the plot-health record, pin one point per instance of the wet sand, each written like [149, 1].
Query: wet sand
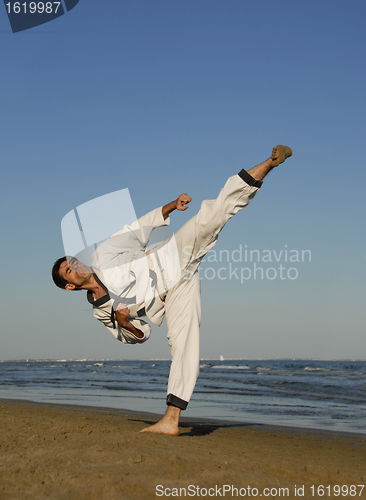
[75, 452]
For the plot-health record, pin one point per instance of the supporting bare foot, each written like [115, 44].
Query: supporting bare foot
[279, 155]
[166, 425]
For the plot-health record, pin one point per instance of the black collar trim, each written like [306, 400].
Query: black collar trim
[102, 300]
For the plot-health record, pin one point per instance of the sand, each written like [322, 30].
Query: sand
[68, 452]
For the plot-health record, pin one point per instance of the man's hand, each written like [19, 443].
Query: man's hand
[179, 204]
[122, 315]
[182, 201]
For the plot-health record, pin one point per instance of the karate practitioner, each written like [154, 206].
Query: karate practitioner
[129, 280]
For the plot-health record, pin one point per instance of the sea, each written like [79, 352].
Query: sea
[316, 394]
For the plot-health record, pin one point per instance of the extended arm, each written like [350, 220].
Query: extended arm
[179, 204]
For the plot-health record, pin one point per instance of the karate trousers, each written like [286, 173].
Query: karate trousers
[183, 303]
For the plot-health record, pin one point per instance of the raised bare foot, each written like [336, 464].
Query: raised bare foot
[163, 427]
[279, 155]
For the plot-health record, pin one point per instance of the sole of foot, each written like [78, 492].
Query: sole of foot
[279, 154]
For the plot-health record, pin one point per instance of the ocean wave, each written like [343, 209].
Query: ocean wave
[316, 369]
[273, 390]
[228, 367]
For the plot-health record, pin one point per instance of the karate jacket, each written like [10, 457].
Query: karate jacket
[135, 275]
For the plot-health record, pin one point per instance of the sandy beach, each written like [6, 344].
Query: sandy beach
[68, 452]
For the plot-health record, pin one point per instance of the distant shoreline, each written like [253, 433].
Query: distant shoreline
[25, 360]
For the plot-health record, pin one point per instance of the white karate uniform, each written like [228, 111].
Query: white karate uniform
[166, 282]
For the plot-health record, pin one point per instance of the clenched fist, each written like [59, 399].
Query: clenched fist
[122, 314]
[182, 201]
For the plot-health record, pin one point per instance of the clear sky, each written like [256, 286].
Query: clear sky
[165, 97]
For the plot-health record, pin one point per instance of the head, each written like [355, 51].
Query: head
[70, 274]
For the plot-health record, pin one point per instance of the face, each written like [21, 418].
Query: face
[75, 273]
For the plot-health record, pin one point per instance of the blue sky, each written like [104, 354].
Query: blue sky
[165, 97]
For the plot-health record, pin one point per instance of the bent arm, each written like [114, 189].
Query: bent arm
[143, 227]
[127, 336]
[122, 316]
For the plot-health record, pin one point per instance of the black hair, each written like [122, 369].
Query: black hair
[57, 279]
[60, 282]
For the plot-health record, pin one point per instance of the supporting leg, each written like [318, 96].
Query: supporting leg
[183, 315]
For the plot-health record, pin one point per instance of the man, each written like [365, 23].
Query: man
[129, 280]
